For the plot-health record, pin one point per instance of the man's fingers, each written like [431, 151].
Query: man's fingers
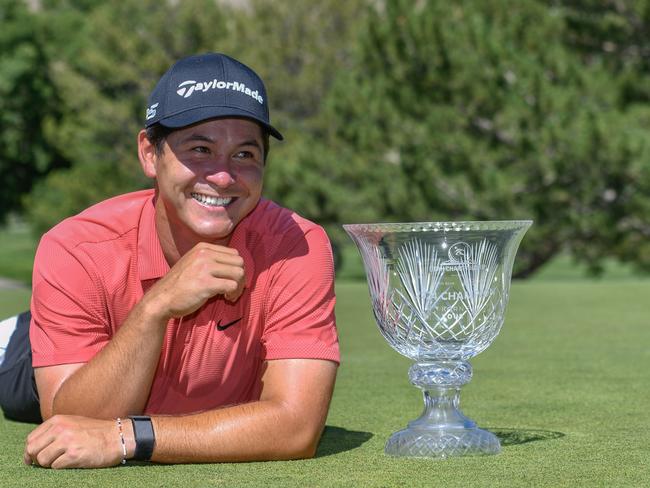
[229, 270]
[53, 452]
[220, 254]
[234, 295]
[231, 288]
[36, 441]
[44, 454]
[27, 459]
[217, 248]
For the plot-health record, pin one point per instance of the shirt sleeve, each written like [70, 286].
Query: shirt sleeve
[68, 309]
[299, 308]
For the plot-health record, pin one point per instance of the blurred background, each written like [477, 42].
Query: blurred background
[392, 110]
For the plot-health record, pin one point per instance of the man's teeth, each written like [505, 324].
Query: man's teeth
[212, 201]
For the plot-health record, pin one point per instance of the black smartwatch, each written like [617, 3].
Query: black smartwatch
[145, 439]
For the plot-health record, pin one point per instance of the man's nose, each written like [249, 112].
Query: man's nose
[220, 173]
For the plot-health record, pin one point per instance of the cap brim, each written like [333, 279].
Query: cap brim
[199, 114]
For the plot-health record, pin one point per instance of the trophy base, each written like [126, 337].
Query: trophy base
[442, 443]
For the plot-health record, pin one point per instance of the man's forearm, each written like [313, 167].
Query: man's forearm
[117, 381]
[286, 423]
[261, 430]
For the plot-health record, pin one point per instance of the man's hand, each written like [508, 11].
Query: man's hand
[205, 271]
[67, 441]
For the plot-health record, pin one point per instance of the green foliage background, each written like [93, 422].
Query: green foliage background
[393, 110]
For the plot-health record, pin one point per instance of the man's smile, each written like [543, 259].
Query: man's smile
[212, 201]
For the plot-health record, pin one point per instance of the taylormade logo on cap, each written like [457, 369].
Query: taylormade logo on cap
[208, 86]
[186, 88]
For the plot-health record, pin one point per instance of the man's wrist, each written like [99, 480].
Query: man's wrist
[151, 310]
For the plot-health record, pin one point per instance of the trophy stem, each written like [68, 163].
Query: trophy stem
[441, 430]
[441, 410]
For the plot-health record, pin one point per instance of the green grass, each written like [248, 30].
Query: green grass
[17, 255]
[13, 301]
[565, 386]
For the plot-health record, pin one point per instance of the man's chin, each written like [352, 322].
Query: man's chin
[220, 236]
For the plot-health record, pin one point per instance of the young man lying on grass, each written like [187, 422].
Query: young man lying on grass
[193, 322]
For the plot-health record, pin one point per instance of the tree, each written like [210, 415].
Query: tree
[615, 34]
[395, 110]
[479, 110]
[28, 106]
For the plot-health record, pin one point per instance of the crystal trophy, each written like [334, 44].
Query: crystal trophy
[439, 292]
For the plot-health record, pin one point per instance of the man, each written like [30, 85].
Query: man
[201, 310]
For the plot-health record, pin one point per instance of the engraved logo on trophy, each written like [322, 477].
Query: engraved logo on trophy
[458, 254]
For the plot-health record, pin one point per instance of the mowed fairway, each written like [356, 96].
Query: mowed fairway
[565, 386]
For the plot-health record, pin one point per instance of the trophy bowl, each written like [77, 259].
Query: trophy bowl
[439, 292]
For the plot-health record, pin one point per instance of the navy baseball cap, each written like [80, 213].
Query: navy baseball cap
[206, 86]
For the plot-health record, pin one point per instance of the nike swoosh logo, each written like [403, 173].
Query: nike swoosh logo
[229, 324]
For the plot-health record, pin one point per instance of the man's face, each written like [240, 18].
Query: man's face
[209, 177]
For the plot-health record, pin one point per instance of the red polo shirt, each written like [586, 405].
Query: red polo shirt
[92, 269]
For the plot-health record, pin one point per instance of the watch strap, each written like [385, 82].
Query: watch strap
[145, 438]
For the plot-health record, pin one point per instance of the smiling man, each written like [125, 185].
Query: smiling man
[193, 322]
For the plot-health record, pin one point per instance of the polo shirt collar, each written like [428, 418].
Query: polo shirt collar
[151, 259]
[238, 241]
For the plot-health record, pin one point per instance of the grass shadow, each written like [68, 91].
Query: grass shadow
[338, 439]
[514, 437]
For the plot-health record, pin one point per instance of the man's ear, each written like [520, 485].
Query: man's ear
[147, 155]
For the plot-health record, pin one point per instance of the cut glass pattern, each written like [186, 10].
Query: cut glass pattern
[439, 291]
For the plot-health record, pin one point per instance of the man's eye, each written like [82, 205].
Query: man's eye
[201, 149]
[244, 155]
